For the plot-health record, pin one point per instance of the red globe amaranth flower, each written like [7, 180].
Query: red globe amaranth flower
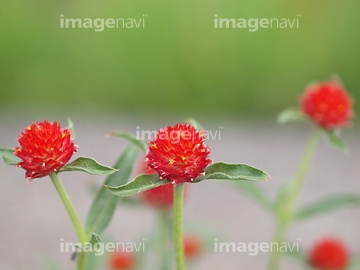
[178, 153]
[329, 254]
[44, 148]
[327, 104]
[192, 246]
[121, 261]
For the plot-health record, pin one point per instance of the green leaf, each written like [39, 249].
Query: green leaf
[104, 204]
[141, 183]
[290, 115]
[71, 127]
[127, 136]
[93, 243]
[354, 263]
[98, 258]
[8, 156]
[255, 192]
[87, 165]
[327, 205]
[336, 141]
[95, 239]
[225, 171]
[195, 124]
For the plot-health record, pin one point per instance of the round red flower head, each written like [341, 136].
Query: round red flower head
[178, 153]
[327, 104]
[329, 254]
[44, 148]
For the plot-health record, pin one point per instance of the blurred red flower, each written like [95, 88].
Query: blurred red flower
[44, 148]
[327, 104]
[329, 254]
[121, 261]
[192, 246]
[160, 197]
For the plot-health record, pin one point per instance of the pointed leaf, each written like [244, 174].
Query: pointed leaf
[104, 204]
[290, 115]
[95, 239]
[127, 136]
[327, 205]
[195, 124]
[141, 183]
[255, 192]
[8, 156]
[223, 171]
[87, 165]
[71, 127]
[336, 141]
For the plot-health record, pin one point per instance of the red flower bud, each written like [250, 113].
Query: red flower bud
[327, 104]
[178, 153]
[44, 148]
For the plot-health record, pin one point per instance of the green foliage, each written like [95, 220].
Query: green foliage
[335, 140]
[291, 115]
[104, 204]
[223, 171]
[141, 183]
[195, 124]
[255, 192]
[220, 171]
[71, 127]
[8, 156]
[127, 136]
[327, 205]
[87, 165]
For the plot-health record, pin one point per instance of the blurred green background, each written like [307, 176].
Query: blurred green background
[179, 63]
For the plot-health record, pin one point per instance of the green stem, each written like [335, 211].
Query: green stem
[275, 255]
[165, 234]
[301, 174]
[81, 234]
[178, 224]
[286, 215]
